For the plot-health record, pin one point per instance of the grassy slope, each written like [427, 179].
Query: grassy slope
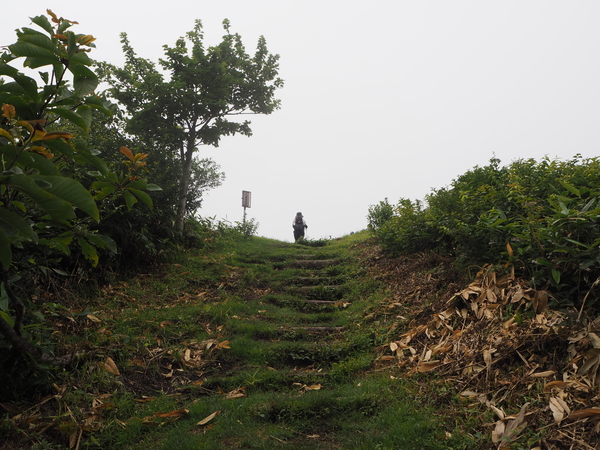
[226, 338]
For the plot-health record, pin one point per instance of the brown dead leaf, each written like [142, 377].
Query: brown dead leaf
[547, 373]
[93, 318]
[562, 385]
[514, 427]
[236, 393]
[176, 414]
[559, 409]
[224, 344]
[428, 366]
[209, 418]
[13, 409]
[592, 413]
[110, 366]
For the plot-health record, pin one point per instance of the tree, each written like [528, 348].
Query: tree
[197, 103]
[42, 205]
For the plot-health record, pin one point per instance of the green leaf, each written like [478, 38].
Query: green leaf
[72, 116]
[138, 184]
[556, 276]
[142, 196]
[8, 319]
[85, 81]
[4, 300]
[57, 208]
[29, 160]
[98, 103]
[573, 241]
[563, 209]
[13, 223]
[39, 40]
[86, 114]
[60, 243]
[104, 191]
[35, 62]
[81, 58]
[73, 192]
[31, 50]
[13, 87]
[571, 188]
[43, 22]
[88, 251]
[130, 199]
[29, 86]
[102, 241]
[153, 187]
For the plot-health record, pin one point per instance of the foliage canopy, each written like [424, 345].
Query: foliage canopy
[198, 102]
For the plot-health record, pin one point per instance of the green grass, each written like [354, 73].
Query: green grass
[302, 388]
[369, 413]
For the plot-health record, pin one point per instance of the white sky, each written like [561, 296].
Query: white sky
[381, 98]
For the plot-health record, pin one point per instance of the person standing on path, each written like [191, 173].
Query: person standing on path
[299, 224]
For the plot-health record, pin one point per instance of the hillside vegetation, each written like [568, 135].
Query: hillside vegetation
[468, 320]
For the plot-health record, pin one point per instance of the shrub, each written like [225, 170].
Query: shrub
[540, 216]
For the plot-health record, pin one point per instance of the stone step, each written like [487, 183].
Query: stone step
[314, 263]
[308, 328]
[322, 302]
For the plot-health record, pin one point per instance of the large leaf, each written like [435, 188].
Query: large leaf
[71, 191]
[29, 160]
[85, 80]
[130, 199]
[142, 196]
[81, 58]
[31, 51]
[39, 40]
[88, 251]
[11, 71]
[102, 241]
[29, 86]
[98, 103]
[84, 156]
[71, 116]
[43, 22]
[54, 206]
[13, 225]
[85, 112]
[12, 87]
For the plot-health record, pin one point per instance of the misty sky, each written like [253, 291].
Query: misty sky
[381, 98]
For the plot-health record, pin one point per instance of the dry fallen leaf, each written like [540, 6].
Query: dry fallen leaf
[110, 366]
[558, 407]
[209, 418]
[593, 413]
[176, 414]
[545, 374]
[236, 393]
[427, 366]
[562, 385]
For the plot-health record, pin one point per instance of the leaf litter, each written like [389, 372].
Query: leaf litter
[498, 343]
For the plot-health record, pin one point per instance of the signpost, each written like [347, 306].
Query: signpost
[246, 200]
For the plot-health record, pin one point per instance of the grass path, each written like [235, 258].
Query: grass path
[262, 347]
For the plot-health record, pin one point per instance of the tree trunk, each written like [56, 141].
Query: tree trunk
[184, 183]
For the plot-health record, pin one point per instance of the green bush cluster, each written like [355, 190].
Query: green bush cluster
[540, 216]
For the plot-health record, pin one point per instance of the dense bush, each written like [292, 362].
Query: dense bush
[540, 216]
